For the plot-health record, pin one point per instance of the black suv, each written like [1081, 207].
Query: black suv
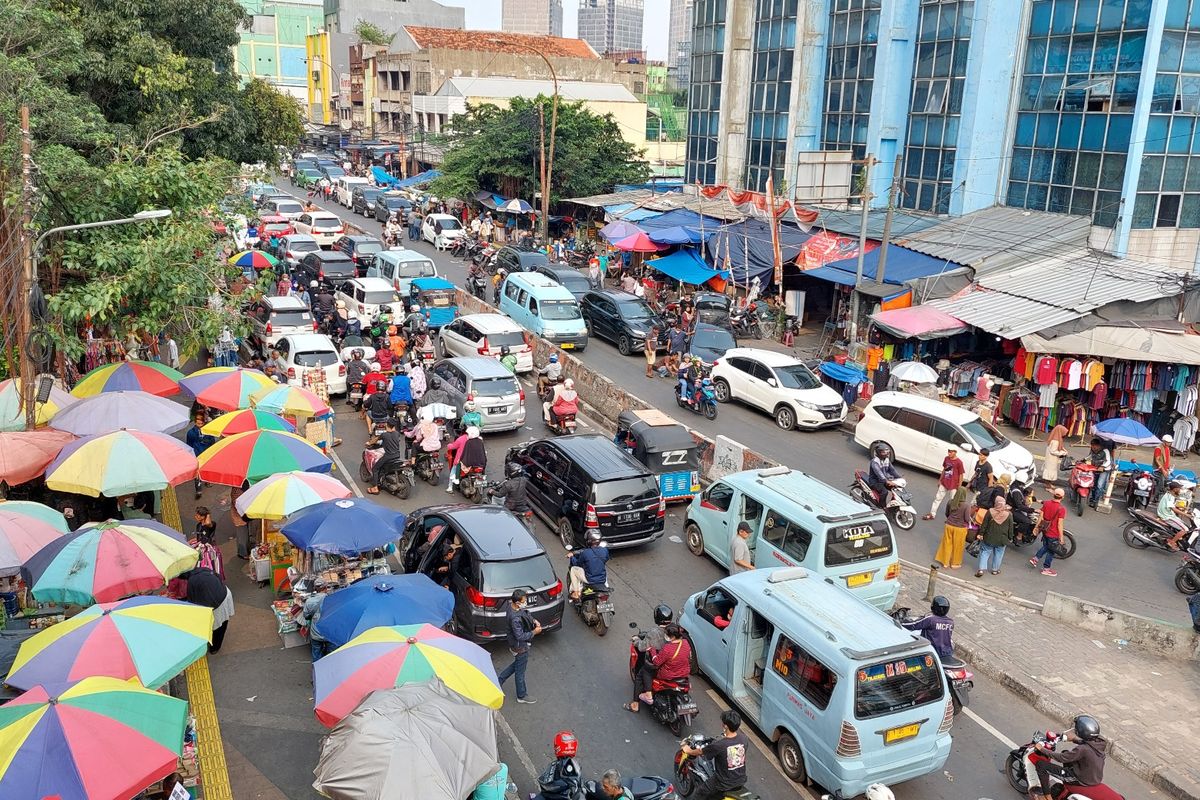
[515, 259]
[620, 317]
[498, 555]
[571, 279]
[327, 267]
[585, 482]
[388, 204]
[360, 248]
[363, 199]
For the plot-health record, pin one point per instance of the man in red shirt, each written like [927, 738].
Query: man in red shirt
[1162, 463]
[951, 479]
[1053, 514]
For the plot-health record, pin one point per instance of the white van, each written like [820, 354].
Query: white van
[344, 187]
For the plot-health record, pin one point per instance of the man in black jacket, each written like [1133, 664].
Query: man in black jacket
[522, 627]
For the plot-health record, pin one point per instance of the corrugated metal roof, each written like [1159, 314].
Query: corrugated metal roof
[612, 199]
[1003, 314]
[999, 238]
[518, 87]
[849, 223]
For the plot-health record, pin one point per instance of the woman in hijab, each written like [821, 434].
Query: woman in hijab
[1055, 450]
[996, 531]
[954, 535]
[202, 587]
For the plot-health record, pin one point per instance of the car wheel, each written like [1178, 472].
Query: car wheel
[721, 390]
[785, 417]
[694, 538]
[791, 758]
[624, 346]
[566, 534]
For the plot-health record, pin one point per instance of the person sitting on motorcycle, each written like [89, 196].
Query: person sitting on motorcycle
[1170, 515]
[422, 344]
[314, 290]
[508, 360]
[672, 662]
[1018, 501]
[401, 389]
[435, 393]
[514, 489]
[470, 416]
[323, 302]
[393, 451]
[610, 788]
[415, 320]
[563, 778]
[1086, 759]
[563, 402]
[882, 474]
[690, 376]
[937, 627]
[427, 435]
[378, 407]
[587, 566]
[549, 374]
[356, 373]
[353, 324]
[416, 376]
[383, 355]
[467, 450]
[1100, 457]
[391, 232]
[728, 755]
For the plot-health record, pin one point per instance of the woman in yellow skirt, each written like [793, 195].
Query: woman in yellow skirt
[954, 536]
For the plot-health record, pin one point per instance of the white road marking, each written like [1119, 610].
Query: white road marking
[987, 726]
[522, 753]
[350, 478]
[802, 790]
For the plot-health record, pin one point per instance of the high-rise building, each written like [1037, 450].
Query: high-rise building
[537, 17]
[1084, 107]
[679, 41]
[342, 16]
[611, 26]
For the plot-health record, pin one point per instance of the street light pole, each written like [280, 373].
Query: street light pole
[547, 160]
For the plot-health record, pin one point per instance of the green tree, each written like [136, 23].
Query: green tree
[370, 33]
[491, 147]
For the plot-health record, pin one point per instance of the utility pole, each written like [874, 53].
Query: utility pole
[887, 220]
[24, 317]
[542, 145]
[865, 199]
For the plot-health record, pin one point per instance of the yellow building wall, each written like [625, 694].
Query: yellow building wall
[316, 49]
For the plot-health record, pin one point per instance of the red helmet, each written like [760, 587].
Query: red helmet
[565, 745]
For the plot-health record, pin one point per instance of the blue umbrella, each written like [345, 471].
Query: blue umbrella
[344, 527]
[517, 206]
[1125, 431]
[619, 229]
[383, 601]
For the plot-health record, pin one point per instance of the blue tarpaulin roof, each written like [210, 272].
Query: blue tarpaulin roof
[419, 178]
[903, 265]
[678, 234]
[382, 177]
[748, 247]
[489, 199]
[686, 266]
[679, 217]
[639, 214]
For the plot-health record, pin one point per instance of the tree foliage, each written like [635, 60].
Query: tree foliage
[491, 146]
[370, 33]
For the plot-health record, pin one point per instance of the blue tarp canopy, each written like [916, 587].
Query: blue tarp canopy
[903, 265]
[432, 284]
[416, 180]
[489, 199]
[686, 266]
[748, 247]
[382, 177]
[677, 235]
[639, 214]
[679, 218]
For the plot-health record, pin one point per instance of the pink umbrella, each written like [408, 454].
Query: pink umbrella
[638, 243]
[25, 454]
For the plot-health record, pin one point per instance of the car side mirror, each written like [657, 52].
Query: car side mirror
[967, 447]
[772, 382]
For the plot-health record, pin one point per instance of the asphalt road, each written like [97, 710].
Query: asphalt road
[1104, 569]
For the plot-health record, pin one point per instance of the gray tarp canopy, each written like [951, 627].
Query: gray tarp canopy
[1169, 343]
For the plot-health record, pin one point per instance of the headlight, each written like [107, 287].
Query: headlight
[808, 405]
[548, 334]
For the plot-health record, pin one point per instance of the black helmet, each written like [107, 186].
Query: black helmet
[504, 350]
[1086, 727]
[435, 382]
[356, 354]
[513, 469]
[882, 449]
[663, 614]
[593, 537]
[940, 606]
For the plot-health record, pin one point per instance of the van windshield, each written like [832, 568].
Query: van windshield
[891, 686]
[857, 541]
[559, 309]
[984, 434]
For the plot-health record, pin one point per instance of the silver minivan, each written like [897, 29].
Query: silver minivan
[498, 396]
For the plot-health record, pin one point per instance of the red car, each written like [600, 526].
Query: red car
[273, 225]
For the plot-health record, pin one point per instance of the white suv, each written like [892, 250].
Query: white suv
[272, 318]
[321, 225]
[310, 351]
[365, 296]
[778, 384]
[485, 335]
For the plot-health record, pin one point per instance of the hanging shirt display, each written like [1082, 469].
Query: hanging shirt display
[1046, 394]
[1093, 372]
[1046, 370]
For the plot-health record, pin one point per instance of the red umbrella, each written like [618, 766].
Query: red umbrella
[25, 454]
[638, 243]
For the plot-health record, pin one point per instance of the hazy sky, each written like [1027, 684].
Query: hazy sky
[485, 15]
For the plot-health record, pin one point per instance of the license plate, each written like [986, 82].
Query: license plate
[687, 710]
[498, 410]
[629, 517]
[901, 733]
[567, 345]
[861, 579]
[606, 608]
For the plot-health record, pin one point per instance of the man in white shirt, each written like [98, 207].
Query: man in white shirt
[740, 559]
[172, 348]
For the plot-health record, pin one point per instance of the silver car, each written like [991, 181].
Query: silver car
[498, 396]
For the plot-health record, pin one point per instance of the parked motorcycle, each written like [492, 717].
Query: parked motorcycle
[960, 679]
[706, 402]
[471, 483]
[477, 284]
[693, 771]
[1187, 577]
[595, 606]
[1020, 765]
[1147, 530]
[745, 324]
[1027, 534]
[1139, 490]
[897, 504]
[1080, 483]
[398, 480]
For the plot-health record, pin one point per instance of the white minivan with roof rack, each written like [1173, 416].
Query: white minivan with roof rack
[272, 318]
[312, 351]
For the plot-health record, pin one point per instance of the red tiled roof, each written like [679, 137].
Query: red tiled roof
[498, 42]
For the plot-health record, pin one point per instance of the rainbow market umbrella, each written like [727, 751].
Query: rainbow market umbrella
[254, 455]
[98, 739]
[26, 528]
[25, 454]
[152, 639]
[122, 462]
[291, 401]
[383, 658]
[130, 376]
[254, 258]
[104, 562]
[120, 410]
[282, 495]
[225, 388]
[246, 419]
[12, 414]
[344, 527]
[380, 601]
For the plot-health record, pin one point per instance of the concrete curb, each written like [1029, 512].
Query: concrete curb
[978, 589]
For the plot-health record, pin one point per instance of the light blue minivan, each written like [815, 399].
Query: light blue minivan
[402, 267]
[798, 521]
[849, 697]
[545, 307]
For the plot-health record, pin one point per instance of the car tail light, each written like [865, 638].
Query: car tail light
[314, 324]
[337, 230]
[947, 718]
[893, 572]
[341, 370]
[591, 520]
[470, 397]
[848, 744]
[956, 674]
[321, 274]
[477, 598]
[291, 372]
[662, 507]
[521, 392]
[269, 329]
[483, 346]
[555, 590]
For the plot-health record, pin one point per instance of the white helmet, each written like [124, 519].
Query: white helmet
[569, 383]
[375, 366]
[469, 405]
[877, 791]
[472, 432]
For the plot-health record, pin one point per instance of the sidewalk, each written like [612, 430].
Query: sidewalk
[1146, 705]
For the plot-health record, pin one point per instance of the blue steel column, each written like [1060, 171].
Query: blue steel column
[1141, 118]
[892, 91]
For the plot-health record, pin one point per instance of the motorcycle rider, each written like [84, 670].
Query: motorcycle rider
[1100, 458]
[647, 643]
[427, 435]
[562, 779]
[356, 372]
[378, 406]
[1170, 515]
[467, 450]
[564, 401]
[1086, 759]
[435, 393]
[728, 755]
[587, 566]
[314, 289]
[549, 374]
[514, 489]
[937, 627]
[672, 662]
[1018, 501]
[611, 788]
[393, 451]
[391, 232]
[508, 360]
[689, 379]
[323, 302]
[882, 474]
[422, 345]
[470, 416]
[415, 320]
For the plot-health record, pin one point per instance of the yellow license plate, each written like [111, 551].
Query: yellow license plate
[901, 733]
[861, 579]
[567, 345]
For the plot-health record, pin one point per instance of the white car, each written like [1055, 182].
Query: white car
[294, 247]
[272, 318]
[306, 351]
[485, 335]
[778, 384]
[321, 225]
[364, 296]
[440, 229]
[919, 431]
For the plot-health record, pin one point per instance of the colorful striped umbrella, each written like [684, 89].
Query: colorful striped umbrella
[290, 401]
[281, 495]
[130, 376]
[122, 462]
[254, 455]
[247, 419]
[119, 410]
[152, 639]
[638, 243]
[26, 528]
[226, 388]
[104, 562]
[98, 739]
[25, 454]
[383, 658]
[12, 414]
[254, 258]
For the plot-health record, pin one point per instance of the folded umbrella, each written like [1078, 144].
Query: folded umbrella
[381, 601]
[344, 527]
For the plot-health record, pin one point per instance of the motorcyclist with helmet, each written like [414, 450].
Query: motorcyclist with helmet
[435, 393]
[356, 373]
[690, 375]
[1086, 759]
[937, 627]
[882, 474]
[563, 402]
[393, 450]
[562, 779]
[647, 643]
[514, 489]
[508, 359]
[415, 320]
[422, 344]
[470, 416]
[378, 406]
[588, 566]
[549, 374]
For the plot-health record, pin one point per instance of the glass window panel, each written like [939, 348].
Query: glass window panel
[1168, 211]
[1137, 14]
[1120, 127]
[1170, 52]
[1047, 130]
[1035, 57]
[929, 170]
[1194, 18]
[1151, 174]
[1025, 127]
[1064, 168]
[941, 59]
[1112, 14]
[1068, 131]
[1039, 170]
[964, 21]
[1016, 194]
[1029, 93]
[954, 104]
[1189, 214]
[924, 63]
[1036, 197]
[1181, 135]
[1173, 173]
[1177, 13]
[1081, 54]
[947, 22]
[951, 136]
[1165, 89]
[1060, 199]
[947, 170]
[1020, 164]
[1112, 171]
[1191, 51]
[925, 199]
[1192, 184]
[1133, 48]
[1125, 93]
[912, 164]
[1087, 169]
[1063, 17]
[920, 96]
[1056, 54]
[1105, 58]
[1085, 15]
[1039, 19]
[916, 129]
[1156, 134]
[1082, 201]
